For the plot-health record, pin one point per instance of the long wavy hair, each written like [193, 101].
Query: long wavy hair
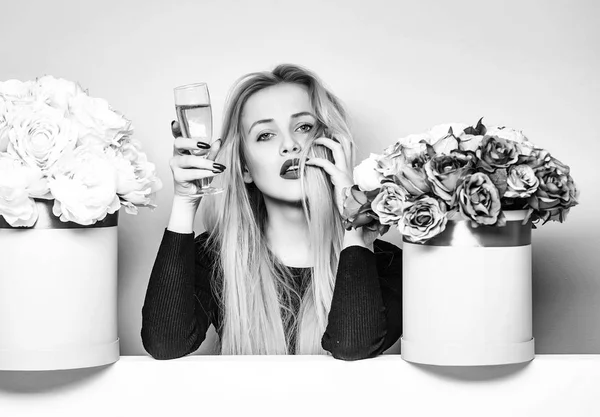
[256, 295]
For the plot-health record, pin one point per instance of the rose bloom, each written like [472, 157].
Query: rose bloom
[495, 152]
[445, 171]
[357, 207]
[19, 184]
[56, 92]
[536, 159]
[469, 142]
[389, 166]
[366, 175]
[507, 133]
[422, 220]
[443, 141]
[556, 192]
[521, 182]
[40, 135]
[15, 90]
[84, 186]
[98, 123]
[137, 182]
[411, 141]
[412, 177]
[410, 146]
[5, 112]
[389, 203]
[443, 130]
[478, 199]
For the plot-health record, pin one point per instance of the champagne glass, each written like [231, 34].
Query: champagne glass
[192, 104]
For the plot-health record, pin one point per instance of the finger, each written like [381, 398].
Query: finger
[188, 175]
[336, 149]
[200, 162]
[175, 129]
[191, 144]
[214, 149]
[328, 166]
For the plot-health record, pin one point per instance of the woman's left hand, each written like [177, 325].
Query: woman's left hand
[339, 172]
[341, 178]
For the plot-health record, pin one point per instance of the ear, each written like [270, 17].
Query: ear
[246, 176]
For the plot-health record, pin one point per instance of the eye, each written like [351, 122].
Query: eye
[264, 136]
[305, 128]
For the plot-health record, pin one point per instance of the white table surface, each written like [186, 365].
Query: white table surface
[550, 385]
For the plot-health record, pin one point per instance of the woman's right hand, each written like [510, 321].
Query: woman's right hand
[188, 168]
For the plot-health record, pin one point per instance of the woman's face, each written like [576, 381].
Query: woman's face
[278, 122]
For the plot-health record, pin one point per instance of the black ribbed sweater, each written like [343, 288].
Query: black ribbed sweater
[364, 320]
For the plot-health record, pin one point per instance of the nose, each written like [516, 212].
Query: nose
[289, 145]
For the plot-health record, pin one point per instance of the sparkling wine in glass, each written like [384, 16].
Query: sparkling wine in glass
[192, 104]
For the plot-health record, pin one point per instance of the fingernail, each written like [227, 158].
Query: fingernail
[219, 166]
[173, 123]
[217, 171]
[203, 145]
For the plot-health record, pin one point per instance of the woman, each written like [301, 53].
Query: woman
[275, 272]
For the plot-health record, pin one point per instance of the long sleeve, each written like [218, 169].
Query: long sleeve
[366, 310]
[178, 305]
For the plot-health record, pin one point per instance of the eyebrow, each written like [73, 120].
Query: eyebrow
[295, 115]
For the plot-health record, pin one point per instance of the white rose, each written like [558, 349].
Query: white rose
[5, 111]
[366, 175]
[39, 134]
[137, 182]
[506, 133]
[415, 139]
[409, 147]
[16, 90]
[56, 92]
[389, 203]
[442, 140]
[441, 131]
[84, 185]
[469, 142]
[19, 183]
[98, 123]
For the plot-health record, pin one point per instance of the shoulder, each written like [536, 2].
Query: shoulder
[388, 255]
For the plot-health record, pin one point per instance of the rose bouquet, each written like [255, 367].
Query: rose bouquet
[59, 143]
[454, 171]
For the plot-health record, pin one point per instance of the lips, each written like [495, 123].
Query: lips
[290, 168]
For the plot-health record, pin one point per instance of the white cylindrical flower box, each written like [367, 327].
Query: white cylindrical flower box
[467, 296]
[58, 294]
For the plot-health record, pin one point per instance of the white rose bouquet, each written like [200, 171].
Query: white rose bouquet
[423, 180]
[58, 143]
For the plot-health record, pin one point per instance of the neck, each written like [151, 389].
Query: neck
[287, 232]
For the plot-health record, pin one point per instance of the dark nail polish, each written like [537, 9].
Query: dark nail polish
[219, 166]
[203, 145]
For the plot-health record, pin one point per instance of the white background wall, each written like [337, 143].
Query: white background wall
[400, 67]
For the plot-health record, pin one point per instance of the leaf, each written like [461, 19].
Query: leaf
[358, 195]
[480, 127]
[370, 235]
[430, 149]
[478, 130]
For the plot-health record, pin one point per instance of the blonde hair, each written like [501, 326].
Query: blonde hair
[254, 287]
